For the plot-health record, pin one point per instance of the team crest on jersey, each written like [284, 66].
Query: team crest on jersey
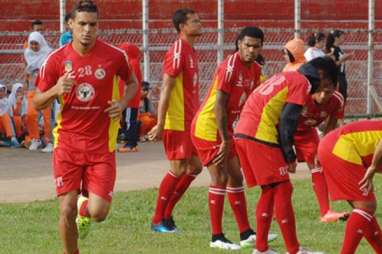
[68, 65]
[100, 73]
[85, 92]
[323, 114]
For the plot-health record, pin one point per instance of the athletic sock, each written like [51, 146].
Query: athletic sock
[321, 190]
[181, 187]
[264, 213]
[236, 197]
[165, 191]
[285, 215]
[216, 206]
[84, 211]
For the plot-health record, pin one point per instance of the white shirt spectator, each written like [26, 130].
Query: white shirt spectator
[312, 53]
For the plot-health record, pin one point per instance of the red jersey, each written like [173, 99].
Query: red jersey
[313, 114]
[181, 63]
[235, 79]
[261, 113]
[357, 141]
[82, 123]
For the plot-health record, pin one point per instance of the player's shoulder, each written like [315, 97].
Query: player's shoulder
[338, 98]
[107, 48]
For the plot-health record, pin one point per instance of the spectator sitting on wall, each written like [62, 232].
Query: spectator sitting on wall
[6, 126]
[294, 54]
[66, 36]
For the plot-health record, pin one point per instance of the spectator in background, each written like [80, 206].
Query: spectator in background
[316, 43]
[66, 36]
[35, 55]
[37, 26]
[6, 126]
[131, 124]
[147, 116]
[294, 54]
[333, 43]
[18, 103]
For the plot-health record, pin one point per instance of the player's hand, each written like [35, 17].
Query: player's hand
[115, 109]
[366, 184]
[65, 83]
[292, 167]
[156, 132]
[223, 153]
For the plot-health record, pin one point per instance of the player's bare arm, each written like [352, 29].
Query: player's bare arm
[331, 124]
[168, 85]
[221, 120]
[64, 85]
[367, 181]
[116, 107]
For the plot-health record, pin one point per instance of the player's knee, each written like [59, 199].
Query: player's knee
[194, 170]
[99, 215]
[68, 211]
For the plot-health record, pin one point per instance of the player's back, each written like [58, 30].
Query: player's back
[261, 113]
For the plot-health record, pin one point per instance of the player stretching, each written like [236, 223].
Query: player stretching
[84, 76]
[327, 106]
[264, 142]
[178, 104]
[350, 156]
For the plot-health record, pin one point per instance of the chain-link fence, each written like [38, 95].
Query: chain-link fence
[12, 63]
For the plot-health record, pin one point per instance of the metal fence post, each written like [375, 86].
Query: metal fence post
[145, 40]
[370, 58]
[220, 52]
[297, 18]
[62, 16]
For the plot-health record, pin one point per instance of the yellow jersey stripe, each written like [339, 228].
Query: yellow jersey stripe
[175, 112]
[114, 123]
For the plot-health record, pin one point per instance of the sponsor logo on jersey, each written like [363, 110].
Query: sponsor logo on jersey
[85, 92]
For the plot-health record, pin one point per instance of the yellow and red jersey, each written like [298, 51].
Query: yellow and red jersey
[313, 114]
[235, 79]
[181, 63]
[357, 141]
[82, 123]
[261, 113]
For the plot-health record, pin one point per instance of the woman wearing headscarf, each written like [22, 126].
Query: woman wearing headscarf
[35, 55]
[18, 103]
[294, 54]
[6, 126]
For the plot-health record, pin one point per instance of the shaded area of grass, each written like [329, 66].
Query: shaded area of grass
[32, 227]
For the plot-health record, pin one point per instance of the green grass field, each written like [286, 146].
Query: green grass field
[31, 227]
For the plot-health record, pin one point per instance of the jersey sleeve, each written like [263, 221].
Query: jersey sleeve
[225, 78]
[298, 91]
[48, 75]
[124, 69]
[173, 61]
[340, 105]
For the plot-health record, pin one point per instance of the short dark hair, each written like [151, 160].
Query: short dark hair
[36, 22]
[84, 6]
[180, 17]
[328, 66]
[250, 31]
[314, 38]
[331, 38]
[67, 17]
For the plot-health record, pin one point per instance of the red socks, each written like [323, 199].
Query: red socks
[264, 211]
[285, 215]
[321, 190]
[181, 187]
[216, 205]
[238, 204]
[361, 223]
[166, 189]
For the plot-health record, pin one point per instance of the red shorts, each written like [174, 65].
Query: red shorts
[96, 172]
[178, 145]
[261, 164]
[342, 177]
[306, 144]
[207, 150]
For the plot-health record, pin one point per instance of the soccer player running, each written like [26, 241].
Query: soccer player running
[264, 142]
[350, 156]
[324, 106]
[84, 76]
[178, 104]
[212, 134]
